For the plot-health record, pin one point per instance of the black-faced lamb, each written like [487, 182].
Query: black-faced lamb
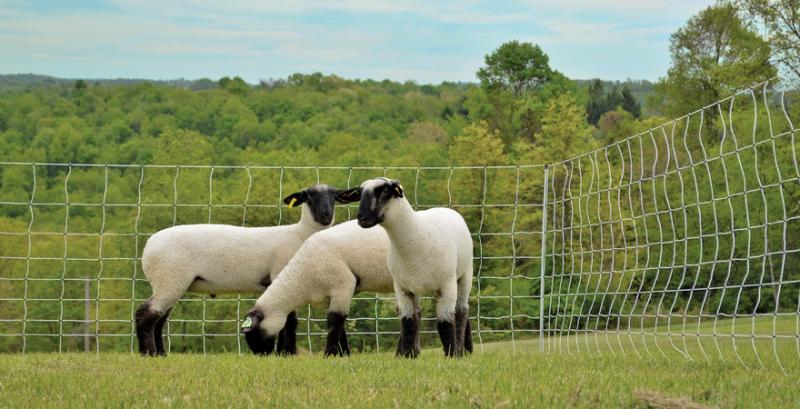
[214, 259]
[430, 251]
[330, 267]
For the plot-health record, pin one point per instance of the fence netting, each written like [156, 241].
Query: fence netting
[681, 240]
[71, 238]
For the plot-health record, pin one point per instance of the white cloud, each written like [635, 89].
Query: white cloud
[176, 37]
[444, 12]
[564, 31]
[645, 9]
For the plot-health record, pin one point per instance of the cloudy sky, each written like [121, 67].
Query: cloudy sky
[421, 40]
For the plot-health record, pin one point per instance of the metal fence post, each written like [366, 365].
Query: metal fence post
[541, 273]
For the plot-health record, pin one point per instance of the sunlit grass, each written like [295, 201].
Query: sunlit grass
[580, 376]
[724, 340]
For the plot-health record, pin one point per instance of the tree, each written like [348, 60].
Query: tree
[516, 66]
[781, 19]
[615, 125]
[595, 106]
[714, 54]
[564, 133]
[601, 102]
[80, 85]
[234, 86]
[477, 146]
[629, 103]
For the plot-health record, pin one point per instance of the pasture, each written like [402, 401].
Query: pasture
[492, 379]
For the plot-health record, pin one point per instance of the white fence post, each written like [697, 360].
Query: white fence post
[541, 273]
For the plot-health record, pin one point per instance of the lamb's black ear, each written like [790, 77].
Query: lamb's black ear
[349, 195]
[296, 198]
[251, 321]
[396, 188]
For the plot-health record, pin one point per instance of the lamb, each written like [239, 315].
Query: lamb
[430, 252]
[213, 259]
[331, 266]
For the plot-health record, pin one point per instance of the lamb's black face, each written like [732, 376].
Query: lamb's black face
[319, 198]
[374, 195]
[259, 344]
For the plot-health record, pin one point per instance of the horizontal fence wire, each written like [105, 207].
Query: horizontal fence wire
[71, 238]
[681, 240]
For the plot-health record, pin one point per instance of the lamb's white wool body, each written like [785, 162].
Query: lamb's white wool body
[214, 258]
[328, 269]
[430, 251]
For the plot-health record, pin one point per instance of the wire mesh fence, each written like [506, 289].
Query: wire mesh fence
[73, 234]
[681, 240]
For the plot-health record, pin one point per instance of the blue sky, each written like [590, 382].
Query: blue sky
[421, 40]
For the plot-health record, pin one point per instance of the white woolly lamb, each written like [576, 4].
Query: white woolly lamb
[430, 252]
[330, 267]
[214, 259]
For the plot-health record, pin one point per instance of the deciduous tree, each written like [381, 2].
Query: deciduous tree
[714, 54]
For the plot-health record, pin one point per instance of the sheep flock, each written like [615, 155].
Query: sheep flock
[390, 248]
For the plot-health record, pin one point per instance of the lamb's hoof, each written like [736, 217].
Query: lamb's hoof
[410, 353]
[335, 352]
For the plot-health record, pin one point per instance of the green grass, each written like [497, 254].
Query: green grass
[494, 378]
[673, 340]
[586, 370]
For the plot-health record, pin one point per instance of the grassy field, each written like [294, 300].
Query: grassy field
[695, 341]
[494, 379]
[580, 371]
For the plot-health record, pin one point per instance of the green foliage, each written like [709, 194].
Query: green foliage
[781, 21]
[517, 83]
[564, 133]
[714, 54]
[518, 67]
[601, 101]
[629, 103]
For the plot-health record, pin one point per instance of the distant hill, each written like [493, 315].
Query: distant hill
[640, 88]
[20, 82]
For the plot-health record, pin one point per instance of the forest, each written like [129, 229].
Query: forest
[225, 151]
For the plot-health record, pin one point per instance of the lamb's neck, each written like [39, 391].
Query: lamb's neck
[400, 223]
[282, 296]
[307, 225]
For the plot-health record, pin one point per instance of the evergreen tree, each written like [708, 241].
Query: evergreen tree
[629, 103]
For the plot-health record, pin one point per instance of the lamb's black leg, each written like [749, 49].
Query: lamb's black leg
[462, 321]
[417, 338]
[158, 331]
[409, 337]
[336, 322]
[287, 337]
[468, 337]
[446, 331]
[146, 320]
[343, 344]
